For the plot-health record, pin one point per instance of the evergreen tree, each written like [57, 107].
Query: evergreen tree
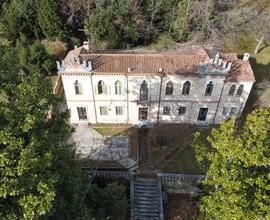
[30, 54]
[49, 20]
[112, 26]
[237, 180]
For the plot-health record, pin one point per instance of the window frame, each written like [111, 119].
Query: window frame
[168, 108]
[117, 112]
[104, 108]
[232, 90]
[179, 112]
[118, 88]
[101, 85]
[77, 87]
[241, 89]
[186, 88]
[209, 85]
[169, 88]
[144, 91]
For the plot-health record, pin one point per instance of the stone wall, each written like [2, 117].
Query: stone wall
[181, 183]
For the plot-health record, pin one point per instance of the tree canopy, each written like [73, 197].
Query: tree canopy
[39, 176]
[237, 180]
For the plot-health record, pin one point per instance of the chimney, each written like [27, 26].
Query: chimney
[246, 57]
[86, 45]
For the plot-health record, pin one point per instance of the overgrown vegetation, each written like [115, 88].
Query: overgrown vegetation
[237, 180]
[39, 176]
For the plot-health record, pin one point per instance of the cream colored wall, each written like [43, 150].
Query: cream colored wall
[193, 102]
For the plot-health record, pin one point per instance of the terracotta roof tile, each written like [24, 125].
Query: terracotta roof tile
[171, 63]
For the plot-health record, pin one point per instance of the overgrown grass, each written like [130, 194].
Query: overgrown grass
[178, 156]
[114, 129]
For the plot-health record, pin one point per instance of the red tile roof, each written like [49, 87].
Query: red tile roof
[184, 63]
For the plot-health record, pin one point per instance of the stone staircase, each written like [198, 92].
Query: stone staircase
[147, 199]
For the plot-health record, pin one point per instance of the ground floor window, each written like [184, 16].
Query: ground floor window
[182, 110]
[143, 113]
[82, 113]
[119, 110]
[229, 111]
[202, 114]
[103, 110]
[166, 110]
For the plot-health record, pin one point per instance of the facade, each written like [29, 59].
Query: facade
[135, 88]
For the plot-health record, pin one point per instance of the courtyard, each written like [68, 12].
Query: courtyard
[161, 148]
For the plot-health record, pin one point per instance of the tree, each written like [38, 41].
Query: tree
[19, 16]
[49, 20]
[27, 183]
[237, 180]
[180, 25]
[112, 26]
[30, 54]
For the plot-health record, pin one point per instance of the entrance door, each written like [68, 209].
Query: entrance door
[143, 113]
[202, 114]
[82, 113]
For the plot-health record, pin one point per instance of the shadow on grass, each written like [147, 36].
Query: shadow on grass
[262, 73]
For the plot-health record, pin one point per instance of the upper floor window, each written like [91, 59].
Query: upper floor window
[166, 110]
[169, 88]
[232, 90]
[186, 88]
[118, 88]
[77, 87]
[240, 90]
[101, 87]
[209, 89]
[144, 91]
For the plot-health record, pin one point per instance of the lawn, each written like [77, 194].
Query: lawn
[114, 129]
[171, 148]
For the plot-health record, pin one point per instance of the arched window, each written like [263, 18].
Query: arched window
[232, 90]
[240, 90]
[186, 88]
[77, 87]
[144, 91]
[101, 87]
[118, 88]
[169, 88]
[209, 89]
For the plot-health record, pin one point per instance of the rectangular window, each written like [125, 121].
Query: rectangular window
[182, 110]
[225, 111]
[166, 110]
[202, 114]
[82, 113]
[103, 110]
[233, 111]
[119, 110]
[77, 88]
